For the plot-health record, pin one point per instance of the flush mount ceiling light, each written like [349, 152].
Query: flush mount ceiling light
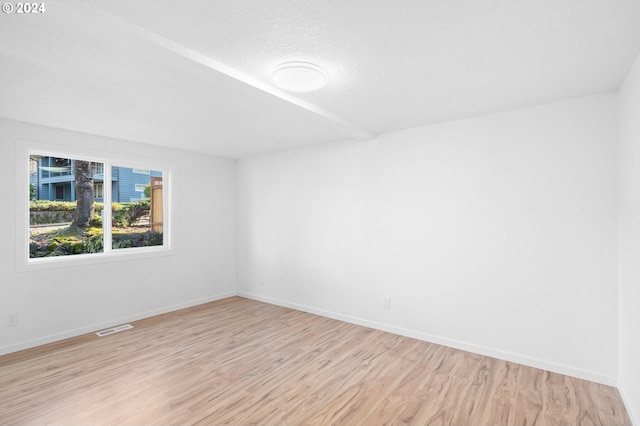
[298, 76]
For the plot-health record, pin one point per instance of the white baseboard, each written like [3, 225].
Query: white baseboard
[96, 327]
[627, 404]
[481, 350]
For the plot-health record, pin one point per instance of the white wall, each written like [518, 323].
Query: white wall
[629, 238]
[59, 303]
[495, 234]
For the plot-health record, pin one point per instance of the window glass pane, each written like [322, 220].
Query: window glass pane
[64, 218]
[137, 208]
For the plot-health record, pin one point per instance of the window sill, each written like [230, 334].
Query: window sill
[70, 261]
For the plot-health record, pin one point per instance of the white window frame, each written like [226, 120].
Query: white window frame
[139, 187]
[24, 263]
[141, 171]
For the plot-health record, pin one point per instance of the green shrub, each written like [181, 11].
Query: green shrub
[69, 241]
[47, 206]
[136, 239]
[121, 244]
[96, 222]
[95, 243]
[124, 214]
[65, 206]
[155, 238]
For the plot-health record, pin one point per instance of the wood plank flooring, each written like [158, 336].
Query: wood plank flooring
[239, 362]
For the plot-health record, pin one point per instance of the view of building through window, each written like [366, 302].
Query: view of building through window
[67, 207]
[134, 208]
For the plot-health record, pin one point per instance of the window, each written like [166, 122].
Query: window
[138, 221]
[66, 213]
[142, 171]
[54, 167]
[98, 190]
[97, 168]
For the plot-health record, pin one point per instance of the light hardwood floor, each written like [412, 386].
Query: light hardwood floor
[238, 361]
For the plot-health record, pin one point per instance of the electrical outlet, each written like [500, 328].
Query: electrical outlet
[387, 304]
[11, 319]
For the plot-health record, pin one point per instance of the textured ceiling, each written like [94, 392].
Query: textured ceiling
[193, 75]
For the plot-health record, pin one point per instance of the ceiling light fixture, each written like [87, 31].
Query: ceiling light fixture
[298, 76]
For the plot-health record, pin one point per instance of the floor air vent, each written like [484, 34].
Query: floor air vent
[114, 330]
